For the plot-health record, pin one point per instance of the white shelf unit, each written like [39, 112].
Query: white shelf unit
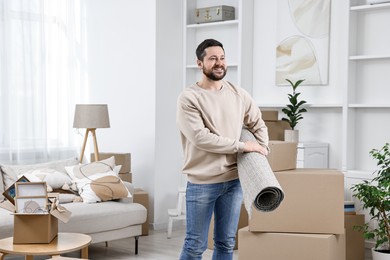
[236, 36]
[366, 110]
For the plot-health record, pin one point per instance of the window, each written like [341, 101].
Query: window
[41, 75]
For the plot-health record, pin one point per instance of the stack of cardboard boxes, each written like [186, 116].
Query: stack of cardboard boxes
[309, 223]
[139, 196]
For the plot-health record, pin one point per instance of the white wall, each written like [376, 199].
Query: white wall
[169, 80]
[134, 65]
[122, 73]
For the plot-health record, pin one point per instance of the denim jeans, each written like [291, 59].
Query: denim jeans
[224, 199]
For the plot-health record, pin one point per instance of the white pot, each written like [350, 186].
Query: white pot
[291, 135]
[379, 256]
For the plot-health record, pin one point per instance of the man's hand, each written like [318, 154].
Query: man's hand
[253, 146]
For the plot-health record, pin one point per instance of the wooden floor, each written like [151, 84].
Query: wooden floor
[155, 246]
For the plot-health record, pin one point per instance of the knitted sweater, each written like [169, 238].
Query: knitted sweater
[210, 124]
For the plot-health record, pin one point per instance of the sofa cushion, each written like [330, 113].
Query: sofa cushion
[6, 223]
[103, 216]
[97, 181]
[89, 218]
[11, 172]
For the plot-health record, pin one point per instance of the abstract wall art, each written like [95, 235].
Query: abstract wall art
[302, 48]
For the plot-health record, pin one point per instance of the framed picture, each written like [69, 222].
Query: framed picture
[10, 193]
[31, 205]
[302, 48]
[30, 189]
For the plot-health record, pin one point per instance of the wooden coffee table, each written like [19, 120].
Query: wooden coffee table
[63, 243]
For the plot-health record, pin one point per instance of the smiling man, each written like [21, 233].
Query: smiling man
[210, 116]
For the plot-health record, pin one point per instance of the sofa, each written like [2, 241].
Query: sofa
[105, 220]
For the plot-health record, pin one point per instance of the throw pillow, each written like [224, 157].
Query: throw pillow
[53, 178]
[11, 172]
[97, 181]
[81, 171]
[102, 187]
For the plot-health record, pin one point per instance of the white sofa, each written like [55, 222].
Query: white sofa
[103, 221]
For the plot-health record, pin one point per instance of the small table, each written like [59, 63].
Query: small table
[63, 243]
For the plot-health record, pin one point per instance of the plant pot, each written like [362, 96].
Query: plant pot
[380, 255]
[291, 135]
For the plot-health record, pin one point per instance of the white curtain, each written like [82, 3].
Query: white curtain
[41, 75]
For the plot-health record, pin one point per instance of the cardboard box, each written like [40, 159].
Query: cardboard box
[242, 222]
[269, 115]
[142, 197]
[291, 246]
[354, 240]
[126, 177]
[276, 129]
[282, 156]
[123, 159]
[34, 228]
[313, 203]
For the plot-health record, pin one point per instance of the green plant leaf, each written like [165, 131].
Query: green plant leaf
[294, 109]
[375, 197]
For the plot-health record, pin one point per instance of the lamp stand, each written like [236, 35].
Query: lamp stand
[95, 146]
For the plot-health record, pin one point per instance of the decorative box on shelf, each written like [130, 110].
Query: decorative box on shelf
[214, 14]
[312, 155]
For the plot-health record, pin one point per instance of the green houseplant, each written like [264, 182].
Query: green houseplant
[293, 111]
[375, 197]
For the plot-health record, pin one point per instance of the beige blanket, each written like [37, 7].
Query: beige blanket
[259, 184]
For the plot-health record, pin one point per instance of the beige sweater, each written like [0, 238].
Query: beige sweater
[210, 124]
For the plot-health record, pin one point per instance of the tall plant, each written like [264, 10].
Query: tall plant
[294, 110]
[375, 196]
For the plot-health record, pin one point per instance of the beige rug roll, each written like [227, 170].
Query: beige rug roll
[259, 184]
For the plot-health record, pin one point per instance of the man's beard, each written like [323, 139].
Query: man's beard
[211, 75]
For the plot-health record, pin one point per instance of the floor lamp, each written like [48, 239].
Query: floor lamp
[91, 117]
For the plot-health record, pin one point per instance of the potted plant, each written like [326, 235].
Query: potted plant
[293, 112]
[375, 197]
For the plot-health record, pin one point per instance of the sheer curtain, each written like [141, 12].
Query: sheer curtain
[41, 75]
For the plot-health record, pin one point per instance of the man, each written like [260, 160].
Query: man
[210, 115]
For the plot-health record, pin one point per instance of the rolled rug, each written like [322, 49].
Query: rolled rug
[259, 184]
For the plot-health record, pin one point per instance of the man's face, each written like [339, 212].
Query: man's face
[213, 64]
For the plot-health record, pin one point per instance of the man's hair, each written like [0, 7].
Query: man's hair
[200, 51]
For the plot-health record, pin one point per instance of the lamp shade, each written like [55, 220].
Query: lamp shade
[91, 116]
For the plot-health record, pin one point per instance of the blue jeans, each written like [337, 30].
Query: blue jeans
[224, 199]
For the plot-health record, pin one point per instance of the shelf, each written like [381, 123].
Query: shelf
[356, 174]
[235, 35]
[369, 57]
[370, 7]
[369, 105]
[213, 24]
[366, 103]
[307, 105]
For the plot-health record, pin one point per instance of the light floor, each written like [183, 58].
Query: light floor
[155, 246]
